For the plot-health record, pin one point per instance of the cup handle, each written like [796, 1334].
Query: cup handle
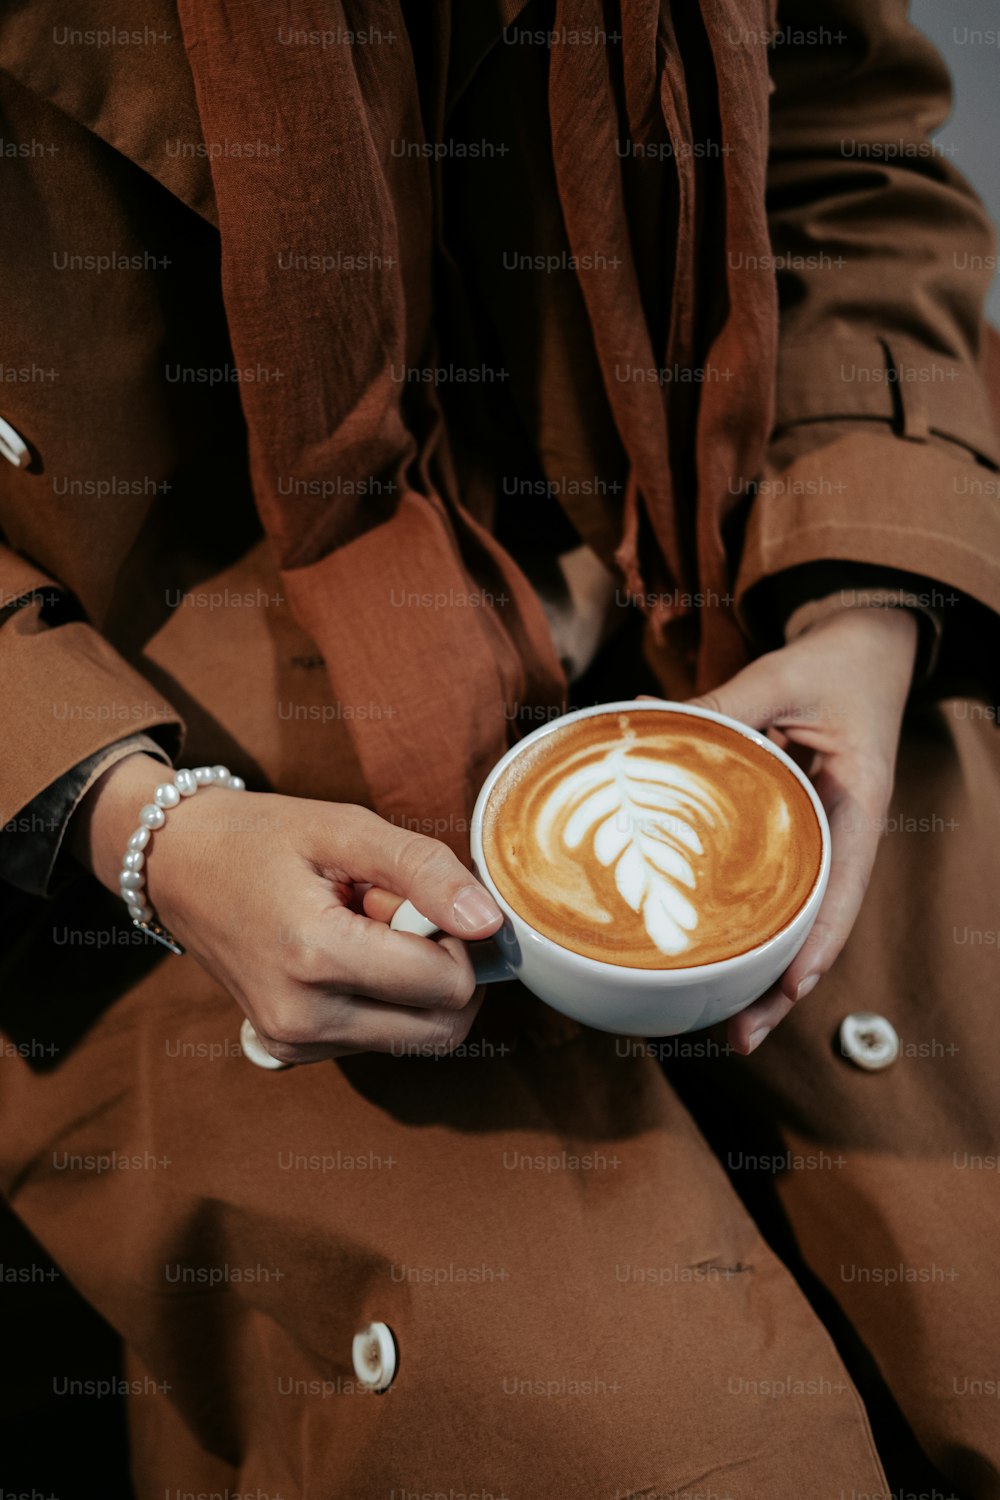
[488, 966]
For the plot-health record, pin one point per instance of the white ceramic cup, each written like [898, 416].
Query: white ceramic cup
[613, 997]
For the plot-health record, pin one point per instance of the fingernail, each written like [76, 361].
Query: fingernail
[756, 1037]
[475, 908]
[807, 986]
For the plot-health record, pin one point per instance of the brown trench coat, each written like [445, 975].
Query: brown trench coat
[581, 1302]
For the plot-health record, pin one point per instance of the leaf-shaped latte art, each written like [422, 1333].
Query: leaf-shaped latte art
[645, 819]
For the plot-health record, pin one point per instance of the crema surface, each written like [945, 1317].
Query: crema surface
[652, 839]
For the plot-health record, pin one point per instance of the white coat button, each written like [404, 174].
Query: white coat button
[255, 1051]
[870, 1041]
[374, 1355]
[13, 447]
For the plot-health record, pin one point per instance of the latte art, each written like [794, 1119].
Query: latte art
[652, 839]
[641, 818]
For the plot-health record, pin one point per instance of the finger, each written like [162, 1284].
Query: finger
[340, 951]
[709, 700]
[749, 713]
[854, 835]
[758, 695]
[356, 1024]
[748, 1029]
[381, 905]
[854, 840]
[413, 865]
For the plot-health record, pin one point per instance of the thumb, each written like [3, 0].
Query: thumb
[424, 870]
[755, 696]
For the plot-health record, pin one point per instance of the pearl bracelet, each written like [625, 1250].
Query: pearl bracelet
[132, 881]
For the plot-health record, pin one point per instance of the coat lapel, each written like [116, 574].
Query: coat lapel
[119, 68]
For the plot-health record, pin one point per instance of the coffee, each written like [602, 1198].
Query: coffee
[652, 839]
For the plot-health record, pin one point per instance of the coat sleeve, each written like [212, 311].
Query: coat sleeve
[33, 857]
[66, 692]
[885, 451]
[92, 402]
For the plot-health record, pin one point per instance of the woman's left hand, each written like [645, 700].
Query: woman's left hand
[837, 693]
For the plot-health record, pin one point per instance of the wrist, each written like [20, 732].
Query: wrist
[882, 641]
[106, 817]
[897, 613]
[132, 811]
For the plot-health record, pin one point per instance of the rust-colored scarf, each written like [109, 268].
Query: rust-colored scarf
[402, 587]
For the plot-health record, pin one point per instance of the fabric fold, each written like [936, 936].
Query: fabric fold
[345, 431]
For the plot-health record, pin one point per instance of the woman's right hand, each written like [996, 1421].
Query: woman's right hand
[264, 891]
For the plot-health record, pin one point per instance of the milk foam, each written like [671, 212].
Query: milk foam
[652, 838]
[644, 819]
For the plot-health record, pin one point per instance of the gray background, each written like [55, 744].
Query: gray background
[974, 126]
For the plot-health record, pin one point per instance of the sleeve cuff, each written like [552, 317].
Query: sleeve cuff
[31, 848]
[924, 509]
[74, 695]
[923, 395]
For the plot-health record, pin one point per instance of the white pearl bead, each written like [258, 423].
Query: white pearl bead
[203, 775]
[185, 783]
[140, 913]
[152, 816]
[139, 839]
[166, 795]
[133, 860]
[130, 880]
[236, 784]
[220, 774]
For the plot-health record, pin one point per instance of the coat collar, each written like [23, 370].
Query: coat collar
[119, 68]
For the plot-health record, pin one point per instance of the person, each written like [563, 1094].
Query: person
[375, 386]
